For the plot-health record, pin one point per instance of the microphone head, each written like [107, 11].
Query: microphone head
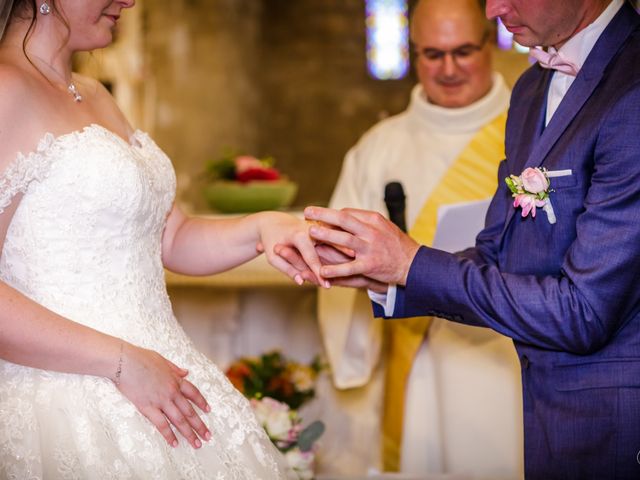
[395, 203]
[393, 191]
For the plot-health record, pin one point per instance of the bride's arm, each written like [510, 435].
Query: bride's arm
[198, 246]
[36, 337]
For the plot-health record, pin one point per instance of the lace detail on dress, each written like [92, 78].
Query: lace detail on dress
[23, 170]
[85, 242]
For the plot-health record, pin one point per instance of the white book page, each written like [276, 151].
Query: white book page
[458, 225]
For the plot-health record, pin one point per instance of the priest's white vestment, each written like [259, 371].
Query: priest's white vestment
[463, 410]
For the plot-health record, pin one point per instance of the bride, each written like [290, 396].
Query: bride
[97, 380]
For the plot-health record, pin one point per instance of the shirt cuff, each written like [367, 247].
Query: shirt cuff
[385, 300]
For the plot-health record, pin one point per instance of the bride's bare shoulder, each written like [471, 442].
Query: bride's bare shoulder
[18, 112]
[15, 87]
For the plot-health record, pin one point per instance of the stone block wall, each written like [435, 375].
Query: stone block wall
[203, 88]
[285, 78]
[271, 77]
[319, 97]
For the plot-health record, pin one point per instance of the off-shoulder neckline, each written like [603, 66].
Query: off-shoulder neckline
[49, 139]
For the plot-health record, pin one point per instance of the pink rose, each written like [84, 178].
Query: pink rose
[246, 162]
[528, 203]
[534, 181]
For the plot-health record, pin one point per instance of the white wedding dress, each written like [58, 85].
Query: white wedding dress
[85, 243]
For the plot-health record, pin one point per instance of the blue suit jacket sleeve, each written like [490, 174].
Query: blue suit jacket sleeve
[594, 291]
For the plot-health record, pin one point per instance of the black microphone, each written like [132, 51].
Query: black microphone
[394, 199]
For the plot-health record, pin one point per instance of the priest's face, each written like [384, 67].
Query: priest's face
[451, 40]
[545, 22]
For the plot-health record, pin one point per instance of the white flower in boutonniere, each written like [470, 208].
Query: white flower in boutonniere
[531, 191]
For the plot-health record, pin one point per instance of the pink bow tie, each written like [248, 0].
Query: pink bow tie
[555, 61]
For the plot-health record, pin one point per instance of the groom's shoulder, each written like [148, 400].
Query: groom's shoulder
[627, 57]
[623, 72]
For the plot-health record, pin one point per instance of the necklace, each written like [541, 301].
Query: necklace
[71, 86]
[73, 90]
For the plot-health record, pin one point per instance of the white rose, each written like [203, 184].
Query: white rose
[274, 416]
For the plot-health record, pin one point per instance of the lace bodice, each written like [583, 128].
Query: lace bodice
[100, 243]
[85, 241]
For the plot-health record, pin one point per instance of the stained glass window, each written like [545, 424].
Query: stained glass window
[387, 38]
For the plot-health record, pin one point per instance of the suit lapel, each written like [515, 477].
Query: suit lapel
[571, 104]
[533, 125]
[605, 49]
[528, 134]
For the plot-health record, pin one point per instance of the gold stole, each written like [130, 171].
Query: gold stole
[471, 177]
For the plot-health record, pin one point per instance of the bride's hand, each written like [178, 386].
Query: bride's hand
[277, 228]
[161, 392]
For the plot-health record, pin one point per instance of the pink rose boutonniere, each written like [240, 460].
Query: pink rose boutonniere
[530, 191]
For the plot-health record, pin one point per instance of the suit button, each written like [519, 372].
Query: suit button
[524, 360]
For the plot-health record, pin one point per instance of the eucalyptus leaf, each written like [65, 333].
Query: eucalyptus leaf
[309, 435]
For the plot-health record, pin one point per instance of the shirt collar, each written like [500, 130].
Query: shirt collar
[578, 47]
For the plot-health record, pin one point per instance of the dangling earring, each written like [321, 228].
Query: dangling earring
[45, 9]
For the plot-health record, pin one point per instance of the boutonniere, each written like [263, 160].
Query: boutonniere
[531, 191]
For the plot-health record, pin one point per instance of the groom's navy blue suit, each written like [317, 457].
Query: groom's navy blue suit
[567, 293]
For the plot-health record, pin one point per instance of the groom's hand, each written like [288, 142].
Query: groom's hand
[382, 252]
[330, 256]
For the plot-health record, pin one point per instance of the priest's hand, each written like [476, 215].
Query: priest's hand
[381, 251]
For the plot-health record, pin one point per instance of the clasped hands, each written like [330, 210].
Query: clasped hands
[357, 248]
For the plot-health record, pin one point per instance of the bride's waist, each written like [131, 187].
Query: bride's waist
[133, 319]
[108, 294]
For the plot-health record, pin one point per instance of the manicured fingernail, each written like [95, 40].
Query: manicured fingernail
[174, 444]
[207, 436]
[198, 443]
[298, 279]
[207, 408]
[326, 284]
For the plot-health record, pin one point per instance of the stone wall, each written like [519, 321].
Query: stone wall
[270, 77]
[319, 97]
[203, 83]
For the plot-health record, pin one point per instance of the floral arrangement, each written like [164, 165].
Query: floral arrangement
[273, 375]
[243, 168]
[277, 387]
[284, 427]
[530, 191]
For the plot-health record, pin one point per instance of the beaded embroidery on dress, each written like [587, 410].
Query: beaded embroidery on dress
[85, 241]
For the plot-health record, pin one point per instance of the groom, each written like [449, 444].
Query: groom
[565, 283]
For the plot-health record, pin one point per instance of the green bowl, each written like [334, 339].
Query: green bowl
[235, 197]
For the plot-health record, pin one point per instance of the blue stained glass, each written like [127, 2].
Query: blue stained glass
[387, 38]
